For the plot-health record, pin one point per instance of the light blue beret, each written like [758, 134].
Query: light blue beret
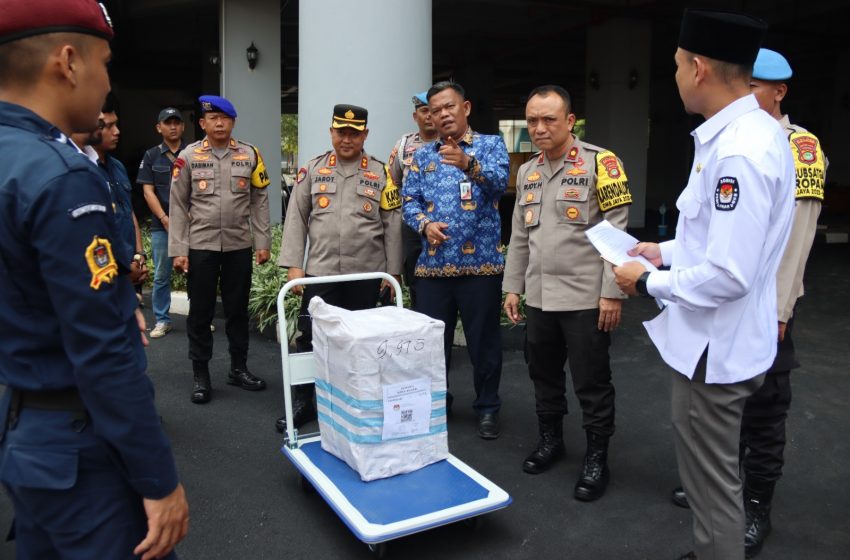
[771, 66]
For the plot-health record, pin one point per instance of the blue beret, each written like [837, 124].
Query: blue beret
[771, 66]
[217, 104]
[420, 98]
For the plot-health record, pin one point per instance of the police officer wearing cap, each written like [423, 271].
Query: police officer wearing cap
[155, 177]
[572, 301]
[400, 161]
[344, 217]
[718, 330]
[83, 456]
[763, 423]
[218, 211]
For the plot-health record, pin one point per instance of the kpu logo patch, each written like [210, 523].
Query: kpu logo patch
[726, 194]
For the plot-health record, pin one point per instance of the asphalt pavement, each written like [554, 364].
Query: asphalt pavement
[246, 501]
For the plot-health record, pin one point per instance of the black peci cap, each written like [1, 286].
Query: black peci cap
[724, 36]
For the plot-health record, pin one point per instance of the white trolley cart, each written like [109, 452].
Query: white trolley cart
[388, 508]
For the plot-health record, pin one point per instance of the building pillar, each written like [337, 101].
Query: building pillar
[374, 54]
[255, 93]
[618, 66]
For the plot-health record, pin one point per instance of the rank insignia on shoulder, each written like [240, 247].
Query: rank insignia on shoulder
[101, 262]
[364, 163]
[573, 153]
[332, 160]
[726, 194]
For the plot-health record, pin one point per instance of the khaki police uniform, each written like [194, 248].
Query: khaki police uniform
[399, 164]
[552, 262]
[216, 205]
[763, 422]
[351, 216]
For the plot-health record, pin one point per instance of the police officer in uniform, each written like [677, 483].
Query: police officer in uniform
[83, 456]
[346, 205]
[572, 301]
[400, 161]
[718, 330]
[763, 423]
[219, 209]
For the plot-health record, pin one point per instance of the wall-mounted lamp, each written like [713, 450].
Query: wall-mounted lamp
[253, 55]
[633, 79]
[593, 80]
[213, 58]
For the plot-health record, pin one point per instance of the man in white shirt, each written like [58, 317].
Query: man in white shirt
[718, 330]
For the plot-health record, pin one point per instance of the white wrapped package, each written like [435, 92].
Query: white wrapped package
[380, 388]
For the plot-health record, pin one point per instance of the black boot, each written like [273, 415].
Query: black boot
[550, 448]
[201, 388]
[303, 407]
[594, 472]
[758, 495]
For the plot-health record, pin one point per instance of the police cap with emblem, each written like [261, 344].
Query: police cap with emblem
[771, 66]
[169, 113]
[723, 36]
[350, 116]
[420, 99]
[217, 104]
[27, 18]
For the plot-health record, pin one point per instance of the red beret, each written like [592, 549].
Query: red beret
[26, 18]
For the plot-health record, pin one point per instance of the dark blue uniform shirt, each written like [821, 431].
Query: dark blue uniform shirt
[155, 170]
[122, 193]
[65, 319]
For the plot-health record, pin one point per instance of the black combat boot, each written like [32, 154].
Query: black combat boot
[758, 495]
[550, 448]
[303, 407]
[201, 387]
[594, 472]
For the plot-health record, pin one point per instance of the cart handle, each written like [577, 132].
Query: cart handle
[291, 433]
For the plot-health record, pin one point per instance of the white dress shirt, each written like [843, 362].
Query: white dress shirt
[734, 221]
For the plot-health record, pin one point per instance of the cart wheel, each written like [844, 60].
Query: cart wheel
[473, 523]
[379, 550]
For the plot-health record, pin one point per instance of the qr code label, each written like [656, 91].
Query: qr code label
[407, 415]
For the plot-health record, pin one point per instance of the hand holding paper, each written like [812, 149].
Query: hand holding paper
[614, 245]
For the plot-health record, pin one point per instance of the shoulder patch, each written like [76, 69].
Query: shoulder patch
[101, 262]
[390, 196]
[726, 194]
[809, 165]
[302, 173]
[260, 177]
[612, 185]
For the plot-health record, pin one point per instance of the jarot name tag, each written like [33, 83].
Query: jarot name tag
[466, 190]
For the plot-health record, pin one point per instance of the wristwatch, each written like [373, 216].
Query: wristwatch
[140, 258]
[640, 285]
[422, 225]
[471, 165]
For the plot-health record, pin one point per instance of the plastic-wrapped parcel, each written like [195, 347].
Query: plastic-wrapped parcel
[380, 388]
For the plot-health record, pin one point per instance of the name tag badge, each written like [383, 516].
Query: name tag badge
[466, 190]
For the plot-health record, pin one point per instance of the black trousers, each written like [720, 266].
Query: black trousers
[412, 248]
[478, 298]
[233, 270]
[763, 423]
[552, 338]
[362, 294]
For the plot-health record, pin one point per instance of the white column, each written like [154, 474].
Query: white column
[371, 53]
[254, 93]
[618, 53]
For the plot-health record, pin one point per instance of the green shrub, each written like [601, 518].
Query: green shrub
[178, 281]
[266, 283]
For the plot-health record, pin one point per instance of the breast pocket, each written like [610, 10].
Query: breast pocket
[324, 197]
[573, 205]
[161, 175]
[203, 181]
[368, 200]
[240, 180]
[529, 203]
[689, 209]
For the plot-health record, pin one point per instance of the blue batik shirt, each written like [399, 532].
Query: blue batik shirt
[432, 193]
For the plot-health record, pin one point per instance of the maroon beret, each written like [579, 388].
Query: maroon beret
[26, 18]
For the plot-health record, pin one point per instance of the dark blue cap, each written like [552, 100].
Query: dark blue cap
[771, 66]
[217, 104]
